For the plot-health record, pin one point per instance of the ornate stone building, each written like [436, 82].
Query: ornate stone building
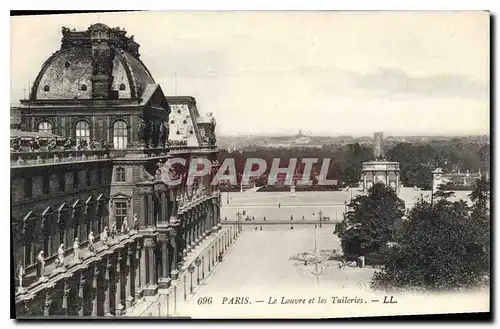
[99, 181]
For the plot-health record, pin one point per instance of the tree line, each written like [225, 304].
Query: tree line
[417, 161]
[437, 245]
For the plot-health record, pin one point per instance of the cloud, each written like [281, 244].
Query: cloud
[442, 85]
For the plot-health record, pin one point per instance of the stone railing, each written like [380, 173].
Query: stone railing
[30, 158]
[19, 159]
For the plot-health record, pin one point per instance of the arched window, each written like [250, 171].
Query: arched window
[82, 130]
[45, 127]
[120, 135]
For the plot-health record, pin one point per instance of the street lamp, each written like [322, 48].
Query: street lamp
[185, 295]
[197, 262]
[191, 270]
[203, 267]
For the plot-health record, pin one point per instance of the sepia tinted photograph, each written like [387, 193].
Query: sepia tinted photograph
[250, 164]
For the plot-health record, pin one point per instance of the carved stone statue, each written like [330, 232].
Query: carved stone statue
[40, 265]
[155, 134]
[65, 31]
[16, 144]
[136, 223]
[124, 228]
[68, 143]
[163, 135]
[104, 235]
[91, 241]
[60, 255]
[144, 132]
[76, 251]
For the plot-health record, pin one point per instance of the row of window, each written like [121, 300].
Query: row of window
[83, 87]
[28, 182]
[82, 131]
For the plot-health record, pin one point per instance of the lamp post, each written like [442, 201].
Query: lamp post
[175, 299]
[185, 295]
[203, 267]
[191, 270]
[238, 214]
[320, 214]
[168, 304]
[197, 262]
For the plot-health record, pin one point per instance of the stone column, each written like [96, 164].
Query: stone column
[129, 298]
[66, 292]
[138, 272]
[173, 271]
[143, 268]
[144, 209]
[118, 282]
[47, 302]
[164, 281]
[95, 288]
[163, 206]
[150, 206]
[152, 287]
[107, 281]
[80, 293]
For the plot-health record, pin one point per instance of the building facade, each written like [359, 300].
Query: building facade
[379, 170]
[92, 198]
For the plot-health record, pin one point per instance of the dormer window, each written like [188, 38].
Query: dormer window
[178, 132]
[179, 111]
[122, 86]
[46, 88]
[83, 87]
[191, 131]
[172, 121]
[184, 121]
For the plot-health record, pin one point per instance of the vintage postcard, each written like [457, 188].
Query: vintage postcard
[250, 165]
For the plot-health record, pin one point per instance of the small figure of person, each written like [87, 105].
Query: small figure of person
[76, 250]
[91, 241]
[60, 254]
[40, 271]
[291, 217]
[303, 218]
[279, 205]
[261, 227]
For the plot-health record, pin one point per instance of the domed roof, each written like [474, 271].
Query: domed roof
[68, 73]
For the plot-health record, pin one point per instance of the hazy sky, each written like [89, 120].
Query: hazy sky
[328, 73]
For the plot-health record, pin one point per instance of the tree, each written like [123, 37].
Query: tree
[370, 223]
[440, 247]
[353, 160]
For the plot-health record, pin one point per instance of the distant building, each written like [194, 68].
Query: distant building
[299, 140]
[380, 171]
[378, 141]
[384, 172]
